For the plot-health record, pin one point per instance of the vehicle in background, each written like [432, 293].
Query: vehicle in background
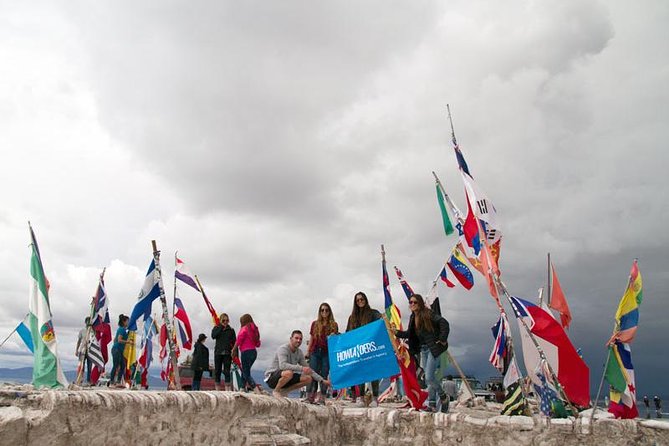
[477, 388]
[495, 384]
[186, 377]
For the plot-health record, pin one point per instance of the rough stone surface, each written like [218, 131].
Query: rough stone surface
[164, 418]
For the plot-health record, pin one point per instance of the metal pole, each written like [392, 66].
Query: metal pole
[599, 390]
[166, 317]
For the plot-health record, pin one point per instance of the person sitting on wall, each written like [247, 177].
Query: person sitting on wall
[289, 369]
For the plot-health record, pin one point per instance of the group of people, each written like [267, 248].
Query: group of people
[427, 336]
[229, 345]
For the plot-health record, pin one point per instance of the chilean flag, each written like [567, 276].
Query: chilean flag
[183, 324]
[572, 372]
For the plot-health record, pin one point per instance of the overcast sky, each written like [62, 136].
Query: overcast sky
[277, 145]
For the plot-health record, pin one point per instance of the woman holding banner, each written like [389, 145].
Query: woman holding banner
[363, 314]
[428, 335]
[321, 328]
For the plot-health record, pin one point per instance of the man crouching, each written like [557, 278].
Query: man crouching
[289, 369]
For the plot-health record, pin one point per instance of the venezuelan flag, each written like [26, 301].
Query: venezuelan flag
[627, 315]
[459, 269]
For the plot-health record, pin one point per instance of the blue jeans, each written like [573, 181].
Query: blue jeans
[429, 365]
[319, 363]
[119, 365]
[248, 357]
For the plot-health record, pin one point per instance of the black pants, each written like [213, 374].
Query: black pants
[375, 389]
[197, 379]
[222, 361]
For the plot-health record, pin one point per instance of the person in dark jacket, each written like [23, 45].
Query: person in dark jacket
[200, 361]
[363, 314]
[225, 338]
[427, 335]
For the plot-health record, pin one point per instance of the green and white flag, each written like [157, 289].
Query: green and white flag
[47, 371]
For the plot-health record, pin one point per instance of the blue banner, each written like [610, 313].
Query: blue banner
[361, 355]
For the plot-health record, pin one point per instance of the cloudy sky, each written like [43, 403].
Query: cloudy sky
[277, 145]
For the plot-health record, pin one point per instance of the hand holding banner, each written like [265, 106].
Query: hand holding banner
[361, 355]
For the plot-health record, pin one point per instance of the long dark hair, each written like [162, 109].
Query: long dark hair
[423, 315]
[121, 319]
[360, 316]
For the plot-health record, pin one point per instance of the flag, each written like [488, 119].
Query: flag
[627, 315]
[620, 375]
[473, 260]
[150, 291]
[500, 351]
[101, 327]
[456, 263]
[483, 209]
[443, 275]
[146, 350]
[490, 271]
[471, 230]
[24, 333]
[94, 354]
[514, 401]
[572, 373]
[130, 353]
[47, 371]
[448, 227]
[405, 285]
[392, 312]
[462, 164]
[557, 300]
[183, 274]
[549, 403]
[407, 365]
[183, 324]
[412, 389]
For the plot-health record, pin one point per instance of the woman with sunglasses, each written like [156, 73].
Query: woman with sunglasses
[363, 314]
[321, 328]
[427, 335]
[225, 338]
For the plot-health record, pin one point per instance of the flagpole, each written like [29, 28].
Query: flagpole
[454, 209]
[82, 361]
[616, 328]
[166, 317]
[450, 119]
[204, 296]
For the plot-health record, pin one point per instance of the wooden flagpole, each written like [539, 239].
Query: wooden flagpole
[204, 296]
[82, 361]
[166, 317]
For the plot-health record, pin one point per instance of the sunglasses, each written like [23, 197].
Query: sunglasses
[413, 302]
[325, 310]
[225, 320]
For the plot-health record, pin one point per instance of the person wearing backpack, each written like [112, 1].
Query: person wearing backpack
[248, 340]
[427, 335]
